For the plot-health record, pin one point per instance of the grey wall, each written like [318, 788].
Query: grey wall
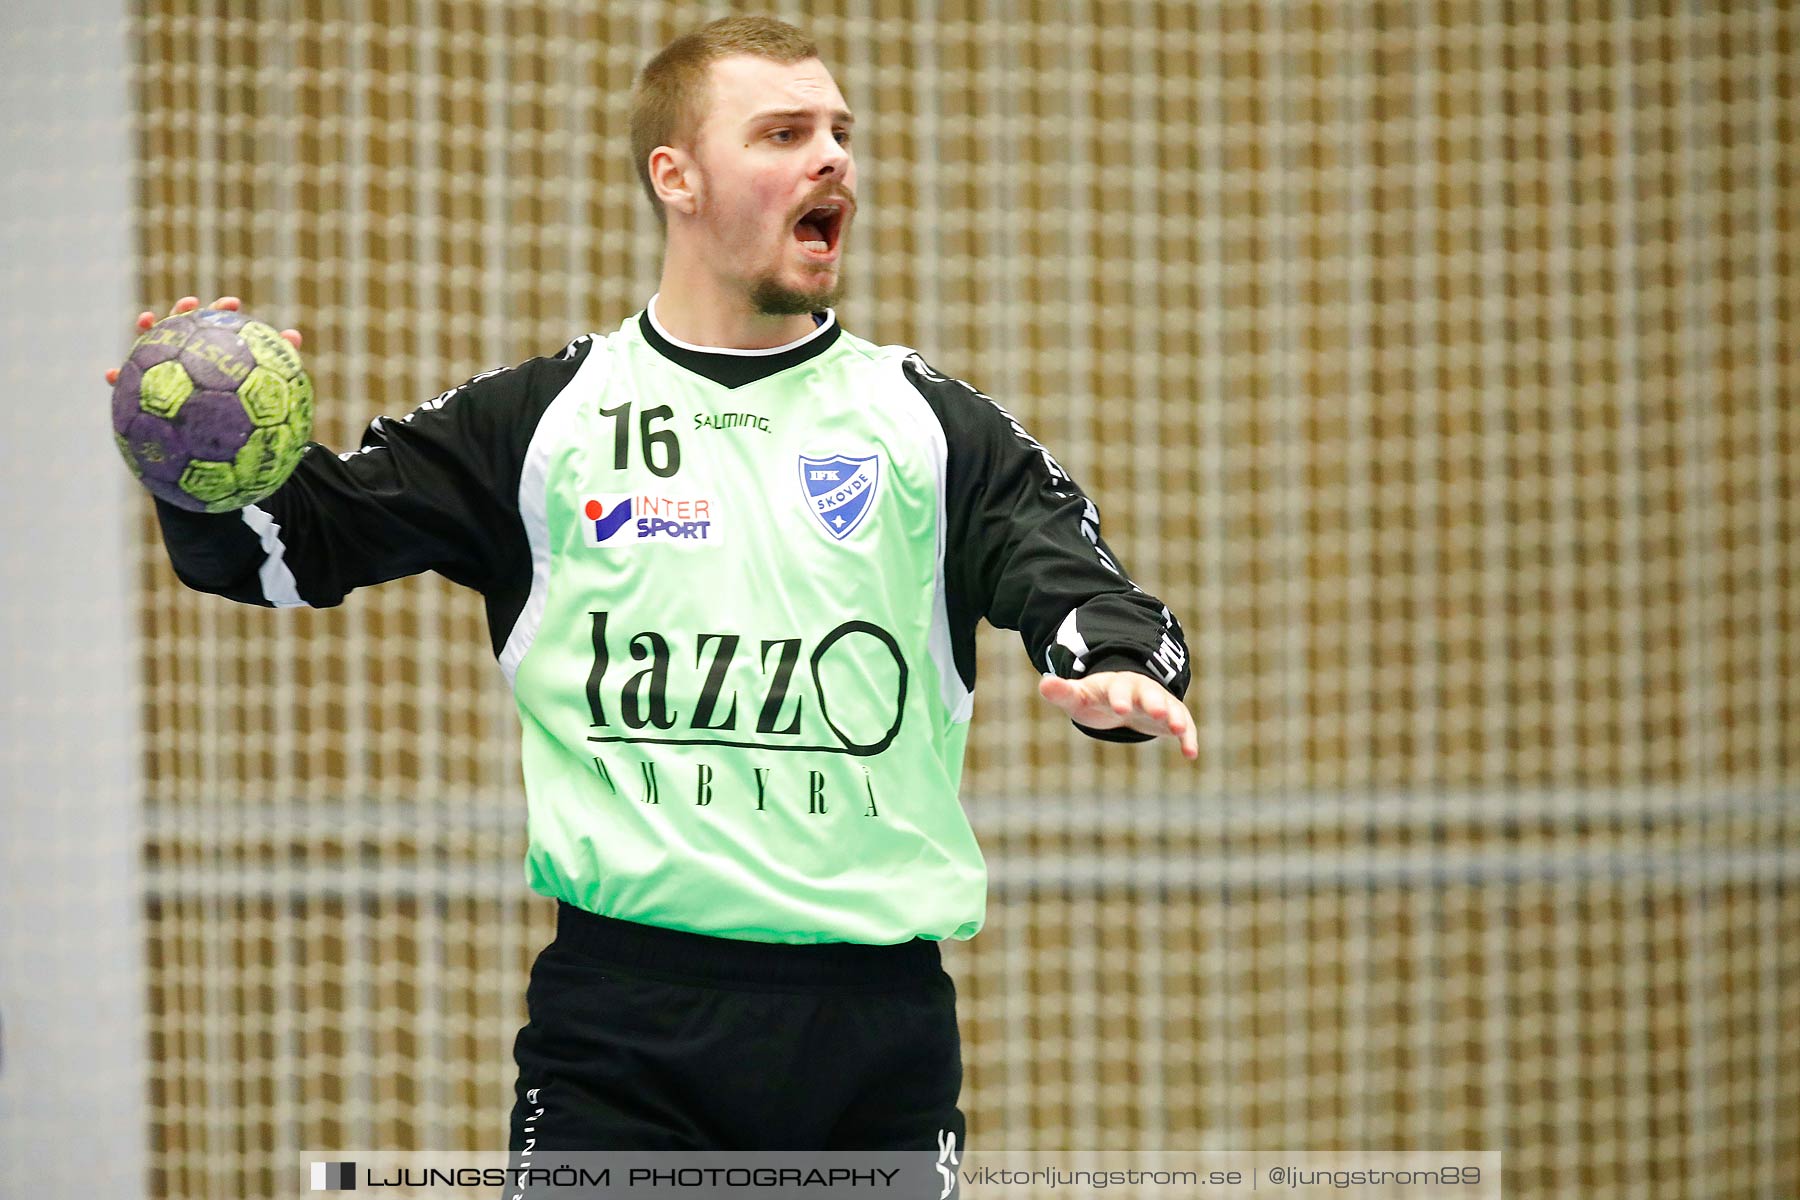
[71, 981]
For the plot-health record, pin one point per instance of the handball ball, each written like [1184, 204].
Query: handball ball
[212, 410]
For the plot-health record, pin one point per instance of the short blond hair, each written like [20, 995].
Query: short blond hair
[669, 100]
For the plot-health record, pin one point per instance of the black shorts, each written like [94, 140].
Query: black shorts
[652, 1039]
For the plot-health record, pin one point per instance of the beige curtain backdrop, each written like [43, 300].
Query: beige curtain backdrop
[1434, 361]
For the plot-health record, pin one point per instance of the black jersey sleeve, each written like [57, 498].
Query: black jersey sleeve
[1023, 549]
[434, 490]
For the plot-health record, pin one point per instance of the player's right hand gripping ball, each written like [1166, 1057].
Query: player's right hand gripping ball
[212, 410]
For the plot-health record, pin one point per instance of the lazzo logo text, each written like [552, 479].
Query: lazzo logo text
[748, 691]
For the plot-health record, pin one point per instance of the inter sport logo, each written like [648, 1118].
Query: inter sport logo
[840, 490]
[636, 518]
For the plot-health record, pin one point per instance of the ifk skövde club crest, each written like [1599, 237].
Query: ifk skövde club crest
[840, 490]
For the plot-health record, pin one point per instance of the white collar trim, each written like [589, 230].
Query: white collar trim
[650, 311]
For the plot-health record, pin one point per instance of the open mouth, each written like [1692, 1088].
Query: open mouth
[818, 229]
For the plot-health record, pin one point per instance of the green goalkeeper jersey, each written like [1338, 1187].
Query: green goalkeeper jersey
[735, 595]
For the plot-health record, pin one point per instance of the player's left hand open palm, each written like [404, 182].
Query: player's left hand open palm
[1111, 699]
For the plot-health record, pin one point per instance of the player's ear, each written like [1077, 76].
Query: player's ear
[677, 182]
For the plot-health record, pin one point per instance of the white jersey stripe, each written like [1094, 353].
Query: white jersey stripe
[1068, 636]
[958, 700]
[278, 586]
[534, 503]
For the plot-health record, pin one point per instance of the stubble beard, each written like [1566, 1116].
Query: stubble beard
[773, 298]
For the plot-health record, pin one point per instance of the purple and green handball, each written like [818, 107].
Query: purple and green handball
[212, 410]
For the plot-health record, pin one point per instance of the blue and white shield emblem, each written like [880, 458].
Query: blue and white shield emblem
[840, 490]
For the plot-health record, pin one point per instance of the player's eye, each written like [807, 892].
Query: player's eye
[843, 137]
[782, 135]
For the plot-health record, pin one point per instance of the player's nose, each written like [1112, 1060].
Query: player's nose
[833, 160]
